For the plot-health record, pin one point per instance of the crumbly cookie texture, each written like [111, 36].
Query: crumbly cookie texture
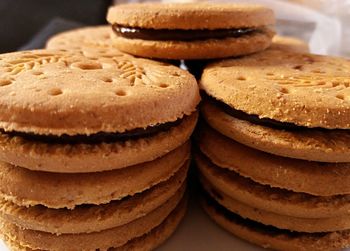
[94, 218]
[292, 174]
[305, 225]
[103, 240]
[304, 89]
[62, 190]
[61, 92]
[84, 158]
[189, 16]
[309, 144]
[146, 242]
[276, 200]
[278, 239]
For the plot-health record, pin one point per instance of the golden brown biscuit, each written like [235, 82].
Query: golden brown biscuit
[291, 174]
[307, 225]
[58, 92]
[115, 237]
[191, 30]
[86, 157]
[59, 190]
[285, 43]
[189, 16]
[94, 37]
[301, 89]
[279, 201]
[92, 218]
[307, 144]
[146, 242]
[273, 238]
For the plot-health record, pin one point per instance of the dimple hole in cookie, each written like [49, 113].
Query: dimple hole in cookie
[87, 66]
[340, 96]
[120, 93]
[176, 74]
[241, 78]
[163, 85]
[319, 71]
[5, 82]
[37, 73]
[107, 80]
[284, 90]
[55, 92]
[270, 74]
[298, 67]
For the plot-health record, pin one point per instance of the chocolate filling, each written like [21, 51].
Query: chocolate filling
[253, 225]
[254, 118]
[101, 137]
[179, 35]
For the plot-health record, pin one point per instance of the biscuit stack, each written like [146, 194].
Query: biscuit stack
[274, 152]
[193, 32]
[94, 149]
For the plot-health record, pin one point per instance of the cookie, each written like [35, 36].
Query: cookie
[61, 190]
[291, 174]
[94, 37]
[146, 242]
[91, 218]
[285, 89]
[286, 43]
[308, 144]
[306, 225]
[88, 107]
[276, 200]
[274, 238]
[190, 30]
[115, 237]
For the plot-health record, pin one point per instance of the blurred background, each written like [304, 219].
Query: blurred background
[26, 24]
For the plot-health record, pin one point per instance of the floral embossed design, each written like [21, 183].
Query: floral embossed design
[30, 61]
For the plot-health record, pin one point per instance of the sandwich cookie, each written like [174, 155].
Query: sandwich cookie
[271, 237]
[146, 242]
[191, 30]
[91, 218]
[258, 224]
[307, 144]
[291, 174]
[302, 94]
[285, 43]
[67, 190]
[110, 238]
[298, 224]
[276, 200]
[62, 111]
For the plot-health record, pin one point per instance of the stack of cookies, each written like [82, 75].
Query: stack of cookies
[94, 149]
[274, 151]
[191, 30]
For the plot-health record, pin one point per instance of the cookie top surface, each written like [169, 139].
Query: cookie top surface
[190, 15]
[90, 37]
[60, 92]
[303, 89]
[289, 44]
